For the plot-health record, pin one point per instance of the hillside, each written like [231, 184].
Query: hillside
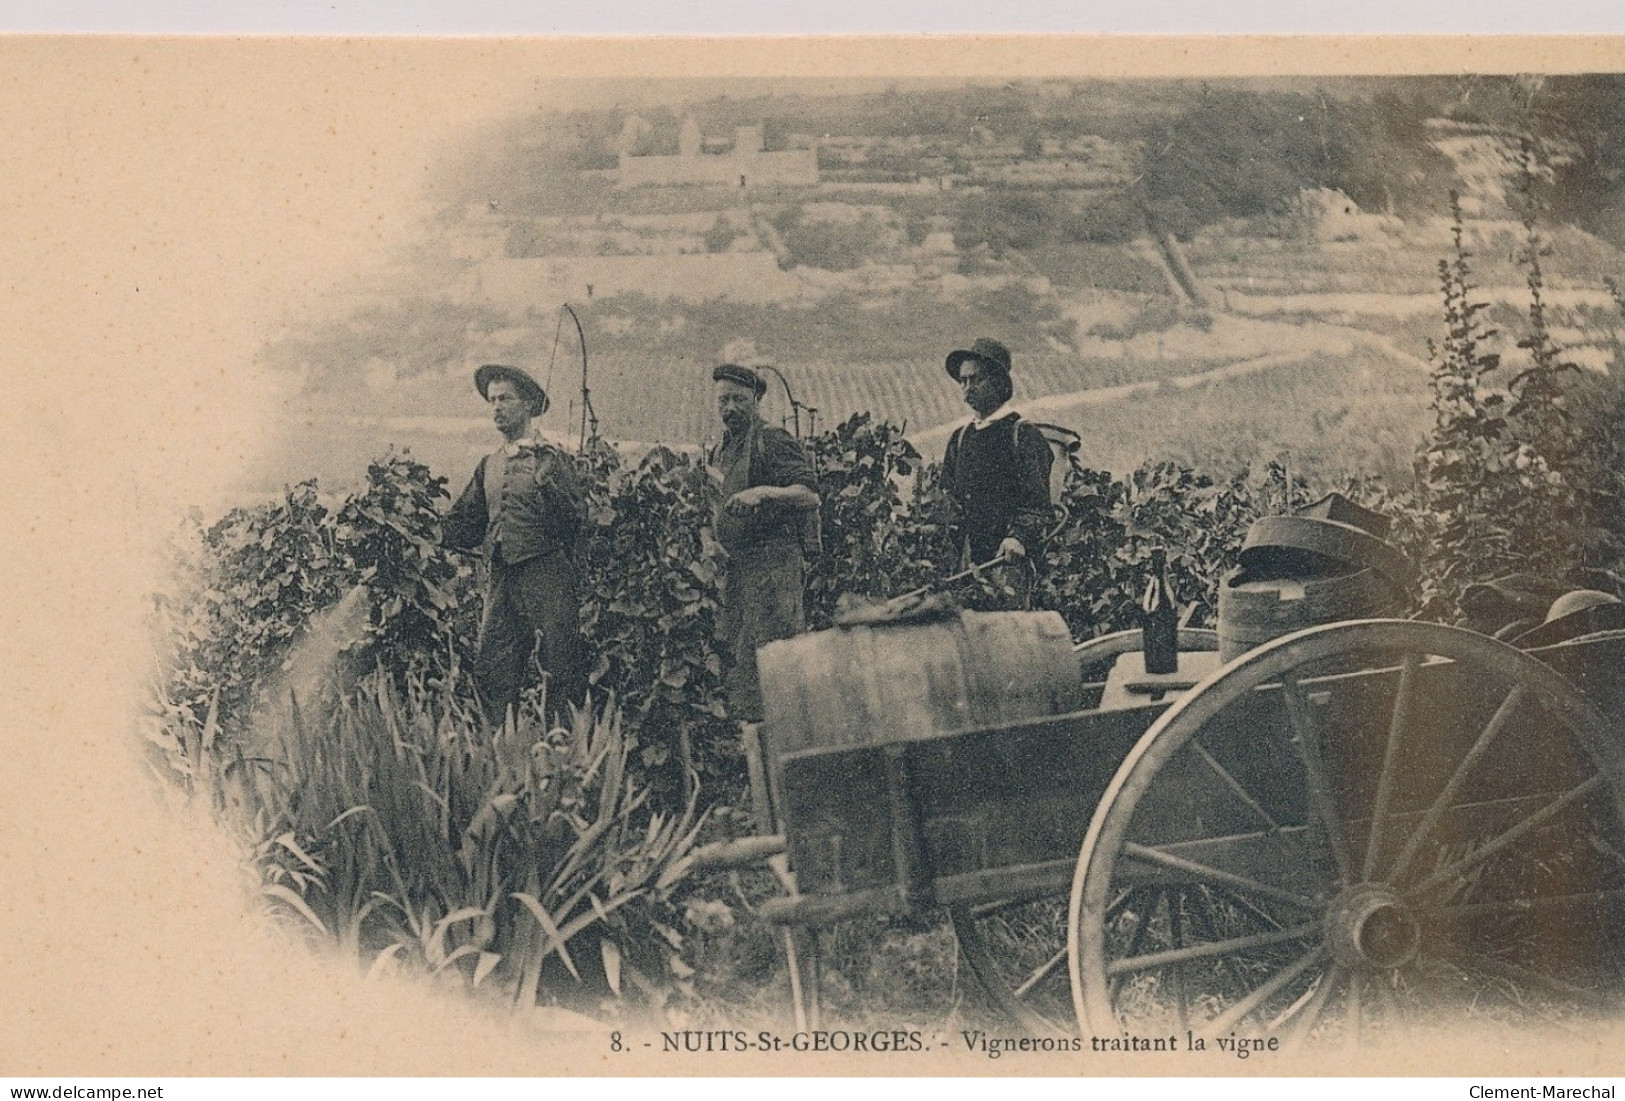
[1160, 305]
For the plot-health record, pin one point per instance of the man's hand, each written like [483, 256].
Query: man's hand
[748, 500]
[1011, 549]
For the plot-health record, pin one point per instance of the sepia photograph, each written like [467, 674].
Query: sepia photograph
[986, 556]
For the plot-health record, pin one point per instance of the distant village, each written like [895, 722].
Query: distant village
[698, 224]
[899, 164]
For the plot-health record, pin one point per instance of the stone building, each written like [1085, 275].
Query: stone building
[745, 165]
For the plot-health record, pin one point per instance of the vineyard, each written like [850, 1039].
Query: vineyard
[315, 649]
[1345, 324]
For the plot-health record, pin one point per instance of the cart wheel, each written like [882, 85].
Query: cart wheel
[1352, 833]
[1016, 949]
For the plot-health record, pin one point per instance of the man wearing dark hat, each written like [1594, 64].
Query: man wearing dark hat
[996, 469]
[523, 510]
[768, 507]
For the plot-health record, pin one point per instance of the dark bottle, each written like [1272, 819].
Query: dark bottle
[1160, 633]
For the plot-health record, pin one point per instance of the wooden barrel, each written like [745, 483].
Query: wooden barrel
[876, 684]
[1252, 611]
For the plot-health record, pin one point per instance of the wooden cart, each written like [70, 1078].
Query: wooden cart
[1349, 831]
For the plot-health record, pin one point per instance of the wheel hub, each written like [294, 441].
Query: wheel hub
[1369, 927]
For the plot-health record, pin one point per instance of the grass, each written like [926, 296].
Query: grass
[523, 863]
[521, 866]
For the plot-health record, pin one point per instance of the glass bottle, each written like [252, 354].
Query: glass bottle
[1160, 630]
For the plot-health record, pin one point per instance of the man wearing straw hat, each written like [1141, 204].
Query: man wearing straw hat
[524, 510]
[996, 470]
[768, 505]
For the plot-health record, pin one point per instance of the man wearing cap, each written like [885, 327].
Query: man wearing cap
[996, 469]
[767, 507]
[523, 510]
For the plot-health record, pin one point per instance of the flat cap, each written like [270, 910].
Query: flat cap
[742, 376]
[527, 387]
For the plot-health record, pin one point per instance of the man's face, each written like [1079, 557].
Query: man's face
[979, 386]
[509, 410]
[736, 404]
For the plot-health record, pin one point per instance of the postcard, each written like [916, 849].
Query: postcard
[800, 556]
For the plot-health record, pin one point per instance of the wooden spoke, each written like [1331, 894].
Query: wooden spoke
[1306, 742]
[1142, 925]
[1380, 983]
[1145, 918]
[1235, 786]
[1211, 949]
[1436, 809]
[982, 911]
[1176, 935]
[1202, 916]
[1014, 949]
[1453, 872]
[993, 909]
[1530, 905]
[1390, 759]
[1277, 983]
[1354, 1016]
[1308, 1013]
[1241, 903]
[1209, 874]
[1041, 973]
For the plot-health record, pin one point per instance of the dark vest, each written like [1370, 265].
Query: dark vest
[985, 483]
[527, 513]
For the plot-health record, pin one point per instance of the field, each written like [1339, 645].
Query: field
[1337, 378]
[1306, 336]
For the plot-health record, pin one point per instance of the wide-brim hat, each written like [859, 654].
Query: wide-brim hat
[1573, 615]
[987, 351]
[740, 376]
[527, 387]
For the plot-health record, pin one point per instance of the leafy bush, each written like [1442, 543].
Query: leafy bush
[651, 570]
[721, 234]
[1006, 218]
[1113, 220]
[1241, 154]
[1096, 564]
[252, 582]
[1466, 485]
[867, 549]
[1519, 473]
[832, 246]
[1571, 464]
[650, 616]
